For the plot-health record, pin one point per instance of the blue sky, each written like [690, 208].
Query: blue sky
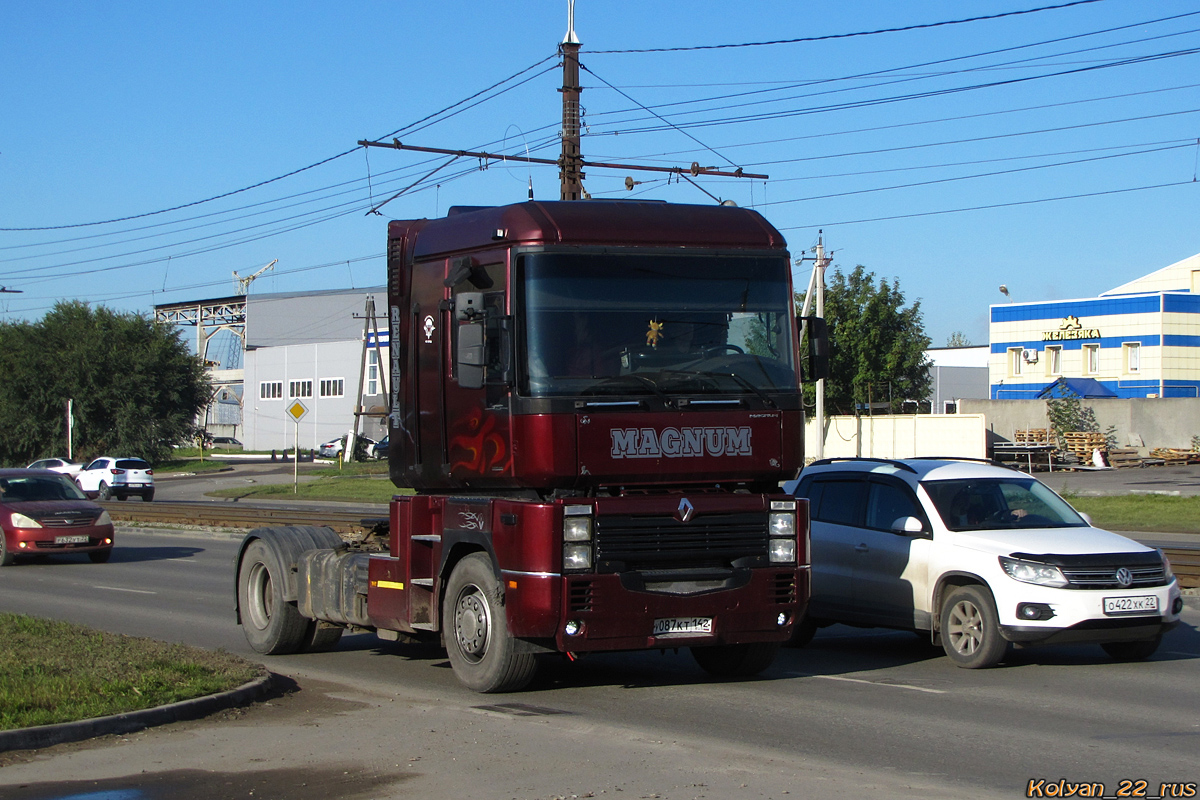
[938, 156]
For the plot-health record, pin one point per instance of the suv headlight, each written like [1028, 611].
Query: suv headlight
[1033, 572]
[1168, 574]
[578, 527]
[781, 530]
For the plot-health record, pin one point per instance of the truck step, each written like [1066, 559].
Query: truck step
[427, 537]
[426, 582]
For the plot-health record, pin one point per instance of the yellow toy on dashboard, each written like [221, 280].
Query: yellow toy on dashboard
[655, 333]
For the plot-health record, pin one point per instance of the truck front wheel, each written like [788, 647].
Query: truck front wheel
[273, 626]
[735, 660]
[476, 630]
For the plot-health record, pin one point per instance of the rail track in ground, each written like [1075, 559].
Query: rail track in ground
[239, 517]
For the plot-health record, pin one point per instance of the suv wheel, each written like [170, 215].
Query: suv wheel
[970, 632]
[104, 492]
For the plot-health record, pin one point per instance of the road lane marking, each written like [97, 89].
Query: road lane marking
[872, 683]
[119, 589]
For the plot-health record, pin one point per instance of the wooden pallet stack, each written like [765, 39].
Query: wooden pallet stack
[1174, 457]
[1124, 457]
[1033, 436]
[1082, 443]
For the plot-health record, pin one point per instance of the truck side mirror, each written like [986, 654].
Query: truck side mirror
[818, 346]
[470, 357]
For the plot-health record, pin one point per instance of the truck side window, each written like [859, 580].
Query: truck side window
[842, 502]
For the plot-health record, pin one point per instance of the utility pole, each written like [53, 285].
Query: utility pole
[816, 289]
[571, 163]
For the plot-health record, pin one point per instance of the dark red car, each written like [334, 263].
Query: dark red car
[44, 513]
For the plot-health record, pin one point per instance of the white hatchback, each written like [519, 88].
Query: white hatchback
[979, 556]
[108, 477]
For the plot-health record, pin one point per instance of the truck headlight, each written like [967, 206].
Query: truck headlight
[1033, 572]
[781, 528]
[577, 556]
[577, 537]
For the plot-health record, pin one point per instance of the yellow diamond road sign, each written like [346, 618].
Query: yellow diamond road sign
[296, 410]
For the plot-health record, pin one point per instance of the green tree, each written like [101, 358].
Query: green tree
[876, 344]
[957, 339]
[136, 387]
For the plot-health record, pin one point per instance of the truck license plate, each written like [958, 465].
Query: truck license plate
[683, 626]
[77, 539]
[1131, 605]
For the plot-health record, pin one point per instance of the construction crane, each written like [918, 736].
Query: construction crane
[243, 284]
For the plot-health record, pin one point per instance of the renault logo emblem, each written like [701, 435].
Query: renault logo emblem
[685, 511]
[1124, 578]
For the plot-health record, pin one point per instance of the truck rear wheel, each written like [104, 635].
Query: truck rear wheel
[273, 626]
[735, 660]
[481, 650]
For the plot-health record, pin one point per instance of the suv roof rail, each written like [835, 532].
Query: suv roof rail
[893, 462]
[991, 461]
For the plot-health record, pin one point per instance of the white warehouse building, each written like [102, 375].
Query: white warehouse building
[311, 347]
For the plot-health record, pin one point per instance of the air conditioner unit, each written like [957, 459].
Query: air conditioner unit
[1029, 355]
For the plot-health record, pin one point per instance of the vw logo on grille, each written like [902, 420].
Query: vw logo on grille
[1124, 578]
[685, 511]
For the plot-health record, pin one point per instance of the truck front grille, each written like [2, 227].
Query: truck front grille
[662, 542]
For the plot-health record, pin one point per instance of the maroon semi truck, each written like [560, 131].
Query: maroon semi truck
[594, 404]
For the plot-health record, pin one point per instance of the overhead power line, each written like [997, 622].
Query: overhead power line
[278, 177]
[831, 36]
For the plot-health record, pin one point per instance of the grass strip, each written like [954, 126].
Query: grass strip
[1140, 512]
[53, 672]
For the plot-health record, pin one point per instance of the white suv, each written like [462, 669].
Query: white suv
[108, 477]
[978, 555]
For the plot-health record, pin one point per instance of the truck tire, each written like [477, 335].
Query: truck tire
[735, 660]
[476, 631]
[273, 626]
[970, 628]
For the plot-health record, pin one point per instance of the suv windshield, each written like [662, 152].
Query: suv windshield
[990, 503]
[654, 324]
[132, 463]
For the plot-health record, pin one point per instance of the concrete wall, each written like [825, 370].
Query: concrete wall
[1161, 422]
[901, 436]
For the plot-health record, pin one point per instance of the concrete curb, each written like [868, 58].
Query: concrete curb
[46, 735]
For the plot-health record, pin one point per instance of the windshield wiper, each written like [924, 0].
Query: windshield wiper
[649, 384]
[736, 378]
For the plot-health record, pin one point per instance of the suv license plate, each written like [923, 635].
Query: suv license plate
[683, 626]
[78, 539]
[1146, 604]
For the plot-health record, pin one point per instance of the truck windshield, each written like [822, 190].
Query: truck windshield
[605, 324]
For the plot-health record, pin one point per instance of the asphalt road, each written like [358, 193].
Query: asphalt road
[857, 711]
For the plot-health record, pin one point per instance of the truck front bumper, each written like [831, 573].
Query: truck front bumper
[600, 613]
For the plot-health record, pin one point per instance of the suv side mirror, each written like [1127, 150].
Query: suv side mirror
[909, 525]
[818, 346]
